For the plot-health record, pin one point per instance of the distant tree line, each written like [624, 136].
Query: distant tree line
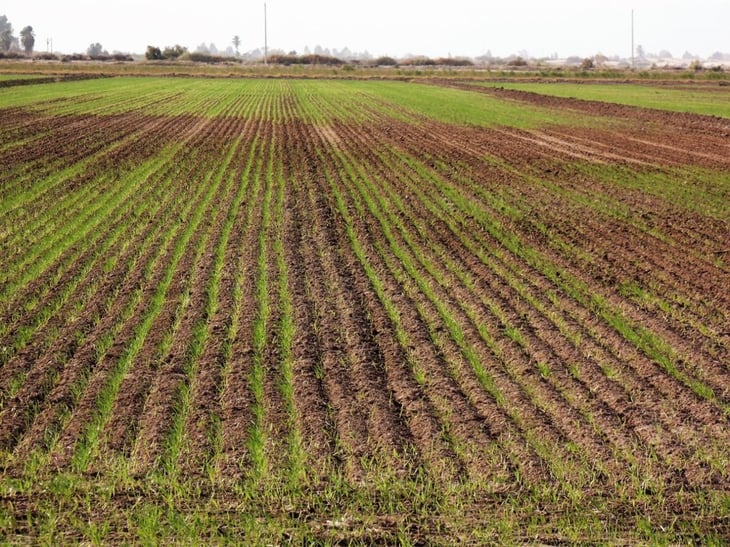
[440, 61]
[178, 52]
[10, 43]
[204, 55]
[311, 59]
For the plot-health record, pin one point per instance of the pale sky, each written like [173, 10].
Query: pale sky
[436, 29]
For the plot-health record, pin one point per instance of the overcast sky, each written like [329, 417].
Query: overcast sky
[455, 27]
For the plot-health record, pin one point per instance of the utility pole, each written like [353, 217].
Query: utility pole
[266, 39]
[632, 40]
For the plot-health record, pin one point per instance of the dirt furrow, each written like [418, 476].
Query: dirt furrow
[368, 364]
[658, 257]
[66, 266]
[47, 363]
[491, 284]
[276, 419]
[310, 392]
[356, 394]
[114, 289]
[155, 388]
[202, 421]
[461, 417]
[419, 408]
[235, 397]
[149, 286]
[521, 369]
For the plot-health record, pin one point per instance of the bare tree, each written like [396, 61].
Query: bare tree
[236, 43]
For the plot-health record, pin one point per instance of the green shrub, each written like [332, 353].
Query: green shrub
[385, 61]
[154, 54]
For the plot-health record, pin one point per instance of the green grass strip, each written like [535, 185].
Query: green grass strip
[708, 101]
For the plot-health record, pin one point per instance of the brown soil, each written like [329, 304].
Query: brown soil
[490, 304]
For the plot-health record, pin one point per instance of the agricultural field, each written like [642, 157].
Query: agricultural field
[708, 98]
[278, 310]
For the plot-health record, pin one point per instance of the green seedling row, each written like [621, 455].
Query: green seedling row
[271, 310]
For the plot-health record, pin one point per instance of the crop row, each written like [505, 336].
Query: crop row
[446, 318]
[257, 289]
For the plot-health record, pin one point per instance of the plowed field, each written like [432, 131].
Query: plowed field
[272, 310]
